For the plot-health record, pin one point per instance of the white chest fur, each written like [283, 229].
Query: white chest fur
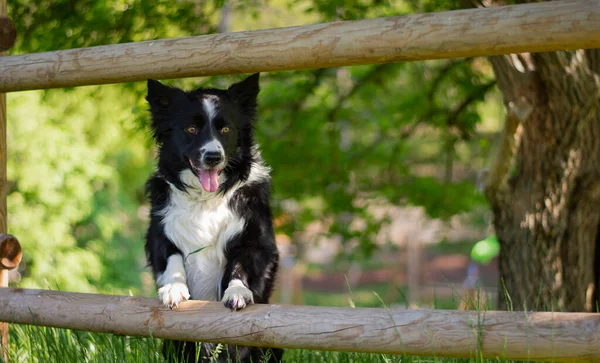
[197, 221]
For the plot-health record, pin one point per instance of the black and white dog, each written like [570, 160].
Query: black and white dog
[211, 231]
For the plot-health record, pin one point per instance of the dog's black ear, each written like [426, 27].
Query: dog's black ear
[159, 95]
[245, 93]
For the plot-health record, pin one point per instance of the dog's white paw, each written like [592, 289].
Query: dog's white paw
[237, 296]
[173, 293]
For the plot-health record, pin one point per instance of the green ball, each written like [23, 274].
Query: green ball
[485, 250]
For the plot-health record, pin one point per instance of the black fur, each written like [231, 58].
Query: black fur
[251, 255]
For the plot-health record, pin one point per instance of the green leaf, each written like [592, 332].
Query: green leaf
[191, 253]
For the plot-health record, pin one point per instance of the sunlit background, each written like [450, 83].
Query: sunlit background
[377, 170]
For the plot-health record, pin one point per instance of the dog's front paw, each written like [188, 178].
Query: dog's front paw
[173, 293]
[237, 296]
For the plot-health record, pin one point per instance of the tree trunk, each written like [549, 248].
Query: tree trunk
[545, 186]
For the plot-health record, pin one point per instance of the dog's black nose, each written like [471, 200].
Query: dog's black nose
[212, 158]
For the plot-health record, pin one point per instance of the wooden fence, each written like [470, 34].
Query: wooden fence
[555, 25]
[558, 337]
[549, 26]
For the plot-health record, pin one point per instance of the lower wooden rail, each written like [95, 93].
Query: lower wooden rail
[541, 336]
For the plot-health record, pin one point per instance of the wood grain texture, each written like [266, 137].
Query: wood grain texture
[538, 27]
[558, 337]
[2, 143]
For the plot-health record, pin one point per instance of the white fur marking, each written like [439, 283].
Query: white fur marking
[209, 102]
[214, 146]
[259, 172]
[237, 296]
[173, 289]
[197, 219]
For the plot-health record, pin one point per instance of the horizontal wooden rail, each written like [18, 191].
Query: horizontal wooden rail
[558, 337]
[538, 27]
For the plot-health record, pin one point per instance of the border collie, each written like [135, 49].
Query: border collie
[211, 230]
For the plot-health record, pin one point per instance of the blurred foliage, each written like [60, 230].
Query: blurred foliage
[338, 140]
[75, 185]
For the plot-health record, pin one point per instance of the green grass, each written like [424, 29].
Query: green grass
[42, 344]
[371, 295]
[363, 296]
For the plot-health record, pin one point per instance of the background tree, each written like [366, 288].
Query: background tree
[544, 186]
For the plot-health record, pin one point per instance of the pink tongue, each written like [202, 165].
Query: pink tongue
[209, 180]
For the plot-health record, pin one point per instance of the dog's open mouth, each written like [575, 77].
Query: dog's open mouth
[209, 178]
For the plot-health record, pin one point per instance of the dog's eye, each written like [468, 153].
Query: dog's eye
[163, 101]
[191, 130]
[225, 130]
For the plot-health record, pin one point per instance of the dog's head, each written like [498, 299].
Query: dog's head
[203, 130]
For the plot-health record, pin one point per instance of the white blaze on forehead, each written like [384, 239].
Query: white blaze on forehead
[210, 104]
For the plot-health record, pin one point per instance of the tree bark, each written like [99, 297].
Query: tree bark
[544, 188]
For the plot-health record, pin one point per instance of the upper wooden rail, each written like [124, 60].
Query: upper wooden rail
[558, 337]
[537, 27]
